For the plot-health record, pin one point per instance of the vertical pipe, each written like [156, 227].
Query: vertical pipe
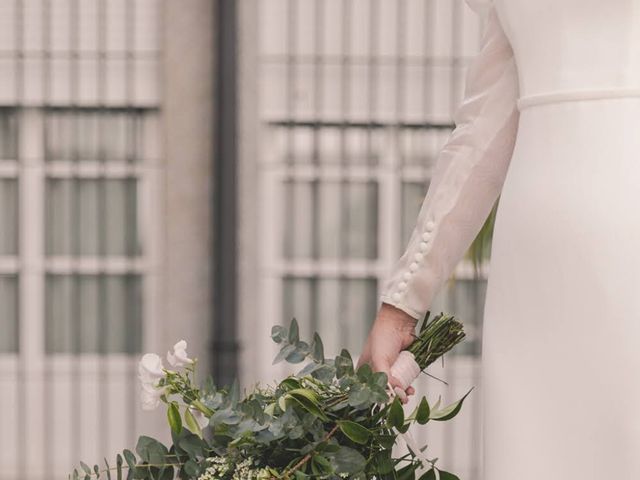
[345, 105]
[224, 345]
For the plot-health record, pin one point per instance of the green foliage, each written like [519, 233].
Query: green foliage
[326, 422]
[174, 418]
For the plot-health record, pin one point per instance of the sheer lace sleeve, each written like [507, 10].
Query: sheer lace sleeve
[468, 174]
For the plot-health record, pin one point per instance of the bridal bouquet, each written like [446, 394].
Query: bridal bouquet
[328, 421]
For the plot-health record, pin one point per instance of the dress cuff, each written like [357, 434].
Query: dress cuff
[401, 306]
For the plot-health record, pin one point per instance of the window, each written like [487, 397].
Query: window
[8, 232]
[79, 221]
[93, 245]
[91, 313]
[9, 315]
[355, 103]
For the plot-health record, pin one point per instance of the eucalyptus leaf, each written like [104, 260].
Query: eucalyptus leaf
[294, 332]
[119, 467]
[193, 445]
[284, 353]
[365, 373]
[130, 458]
[317, 348]
[278, 333]
[151, 450]
[347, 460]
[343, 364]
[324, 373]
[296, 356]
[192, 468]
[308, 369]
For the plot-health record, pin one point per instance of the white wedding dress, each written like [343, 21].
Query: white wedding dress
[550, 121]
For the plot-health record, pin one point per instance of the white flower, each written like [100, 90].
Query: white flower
[150, 369]
[178, 358]
[150, 396]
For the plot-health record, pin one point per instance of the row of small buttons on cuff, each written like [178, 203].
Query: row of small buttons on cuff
[417, 258]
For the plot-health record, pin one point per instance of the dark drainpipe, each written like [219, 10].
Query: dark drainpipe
[225, 279]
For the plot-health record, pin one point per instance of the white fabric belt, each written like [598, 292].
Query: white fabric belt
[572, 95]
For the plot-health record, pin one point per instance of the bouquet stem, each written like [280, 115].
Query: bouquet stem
[436, 337]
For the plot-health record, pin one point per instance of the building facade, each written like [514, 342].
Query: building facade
[110, 121]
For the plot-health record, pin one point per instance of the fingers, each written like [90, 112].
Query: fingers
[399, 390]
[411, 391]
[401, 395]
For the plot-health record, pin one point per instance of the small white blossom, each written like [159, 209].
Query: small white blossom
[220, 467]
[217, 469]
[150, 369]
[178, 358]
[150, 396]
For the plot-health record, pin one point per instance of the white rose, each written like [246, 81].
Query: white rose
[178, 358]
[150, 369]
[150, 396]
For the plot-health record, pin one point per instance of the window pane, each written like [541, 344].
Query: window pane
[93, 313]
[91, 135]
[92, 217]
[8, 216]
[59, 135]
[8, 135]
[340, 310]
[8, 314]
[331, 220]
[121, 132]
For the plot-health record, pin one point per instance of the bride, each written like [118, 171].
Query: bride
[549, 122]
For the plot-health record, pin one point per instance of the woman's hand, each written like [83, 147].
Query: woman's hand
[392, 332]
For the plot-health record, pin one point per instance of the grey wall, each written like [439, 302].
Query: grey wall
[188, 93]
